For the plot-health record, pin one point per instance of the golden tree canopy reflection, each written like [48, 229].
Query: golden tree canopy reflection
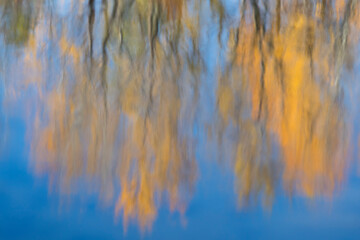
[287, 77]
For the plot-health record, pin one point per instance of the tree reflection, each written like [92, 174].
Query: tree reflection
[117, 87]
[17, 19]
[125, 125]
[282, 84]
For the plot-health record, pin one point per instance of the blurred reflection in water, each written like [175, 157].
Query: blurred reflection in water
[114, 87]
[282, 82]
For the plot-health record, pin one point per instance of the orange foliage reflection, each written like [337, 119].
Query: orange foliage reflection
[288, 73]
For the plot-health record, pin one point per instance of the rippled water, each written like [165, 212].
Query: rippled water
[179, 119]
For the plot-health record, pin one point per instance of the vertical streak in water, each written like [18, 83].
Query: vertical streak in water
[91, 24]
[105, 56]
[260, 28]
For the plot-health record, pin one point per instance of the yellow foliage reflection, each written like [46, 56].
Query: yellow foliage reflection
[124, 126]
[288, 73]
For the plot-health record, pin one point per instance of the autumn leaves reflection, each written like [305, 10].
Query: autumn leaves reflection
[282, 86]
[127, 126]
[118, 87]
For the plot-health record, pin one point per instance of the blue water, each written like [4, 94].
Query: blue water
[32, 206]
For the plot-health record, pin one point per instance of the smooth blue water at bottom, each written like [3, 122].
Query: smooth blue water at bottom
[29, 208]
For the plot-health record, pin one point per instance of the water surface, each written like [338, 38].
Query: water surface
[179, 119]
